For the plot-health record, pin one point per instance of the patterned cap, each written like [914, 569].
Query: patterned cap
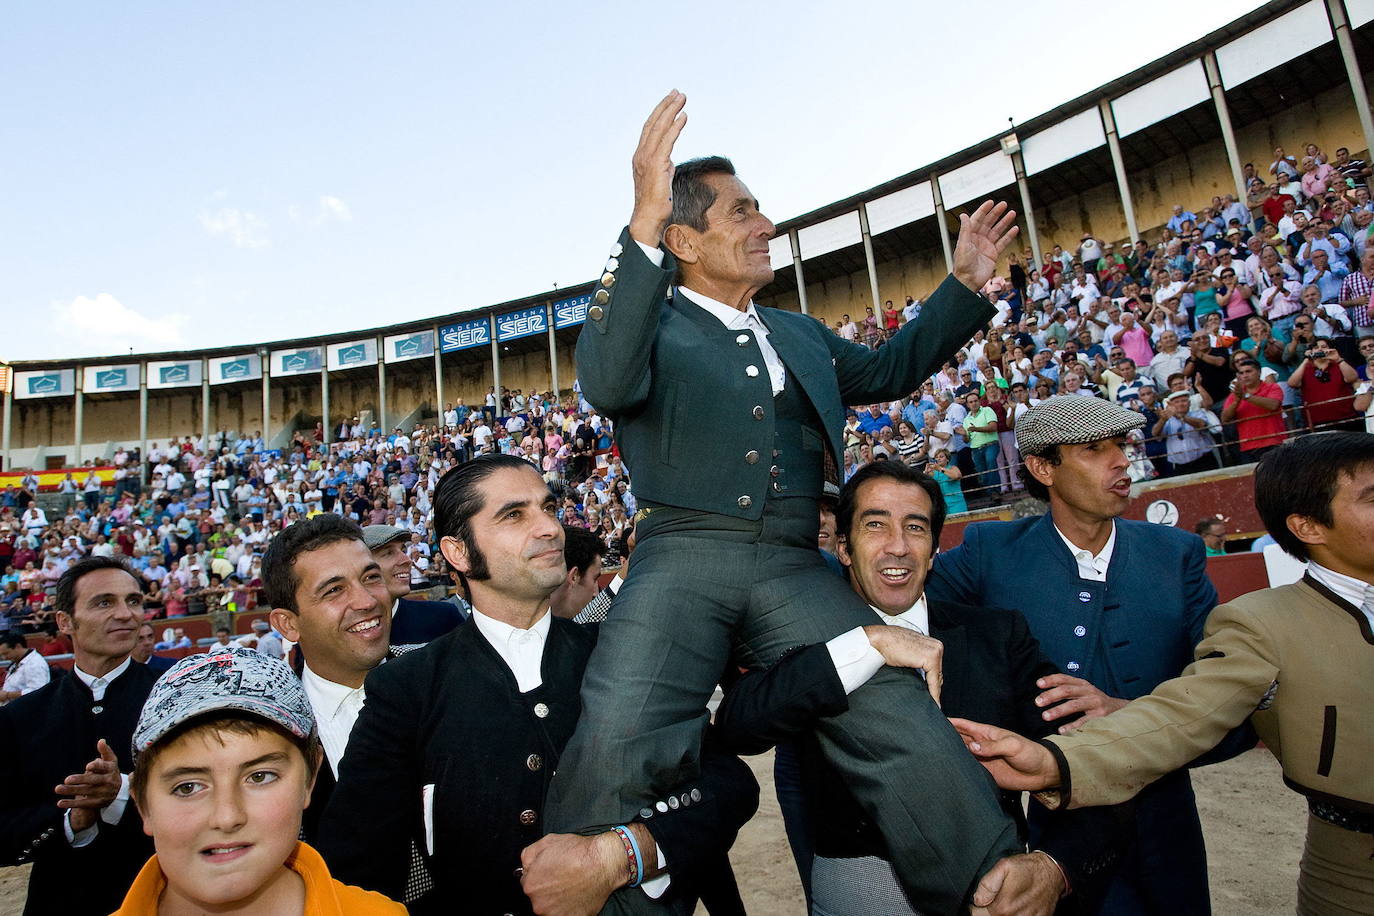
[375, 536]
[1068, 419]
[226, 678]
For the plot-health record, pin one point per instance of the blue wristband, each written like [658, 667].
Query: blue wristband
[629, 835]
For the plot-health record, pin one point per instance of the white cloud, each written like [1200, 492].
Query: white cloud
[333, 208]
[100, 325]
[328, 209]
[243, 228]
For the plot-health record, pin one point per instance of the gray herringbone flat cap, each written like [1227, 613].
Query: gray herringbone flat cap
[1070, 419]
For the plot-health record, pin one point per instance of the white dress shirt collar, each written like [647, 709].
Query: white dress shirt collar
[1090, 566]
[747, 320]
[1356, 591]
[521, 650]
[336, 707]
[916, 617]
[98, 684]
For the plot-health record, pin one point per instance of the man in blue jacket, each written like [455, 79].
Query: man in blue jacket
[1117, 604]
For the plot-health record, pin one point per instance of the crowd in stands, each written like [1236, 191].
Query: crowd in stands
[1230, 328]
[1235, 325]
[197, 531]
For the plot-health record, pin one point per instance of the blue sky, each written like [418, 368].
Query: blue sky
[194, 174]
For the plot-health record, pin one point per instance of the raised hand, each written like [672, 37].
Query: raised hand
[982, 239]
[87, 792]
[652, 166]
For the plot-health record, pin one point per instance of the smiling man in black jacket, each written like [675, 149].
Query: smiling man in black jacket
[457, 742]
[888, 523]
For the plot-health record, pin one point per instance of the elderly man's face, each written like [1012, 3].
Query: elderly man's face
[734, 247]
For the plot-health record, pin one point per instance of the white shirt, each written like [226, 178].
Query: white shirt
[336, 707]
[28, 674]
[734, 320]
[521, 650]
[854, 657]
[1090, 566]
[1356, 591]
[112, 812]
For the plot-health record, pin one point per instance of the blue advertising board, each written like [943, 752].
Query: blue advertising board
[568, 312]
[464, 334]
[524, 323]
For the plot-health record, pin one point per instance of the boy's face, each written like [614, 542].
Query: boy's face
[224, 811]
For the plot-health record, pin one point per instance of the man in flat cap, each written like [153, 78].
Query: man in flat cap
[412, 622]
[1116, 604]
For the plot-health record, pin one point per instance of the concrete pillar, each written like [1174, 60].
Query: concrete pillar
[266, 358]
[1104, 108]
[1228, 135]
[1018, 164]
[80, 411]
[381, 385]
[1340, 27]
[553, 351]
[205, 398]
[143, 426]
[795, 242]
[495, 362]
[324, 400]
[438, 377]
[871, 262]
[9, 414]
[940, 222]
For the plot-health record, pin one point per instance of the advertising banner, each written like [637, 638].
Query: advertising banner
[464, 334]
[227, 369]
[109, 378]
[181, 373]
[46, 383]
[352, 353]
[524, 323]
[402, 347]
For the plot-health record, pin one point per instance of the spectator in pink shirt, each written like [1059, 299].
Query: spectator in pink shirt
[1134, 340]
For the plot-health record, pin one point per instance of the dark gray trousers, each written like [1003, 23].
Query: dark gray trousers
[695, 601]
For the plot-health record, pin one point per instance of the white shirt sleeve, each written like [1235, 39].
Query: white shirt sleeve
[854, 658]
[655, 255]
[655, 887]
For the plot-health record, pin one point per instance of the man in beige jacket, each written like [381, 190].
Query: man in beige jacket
[1298, 661]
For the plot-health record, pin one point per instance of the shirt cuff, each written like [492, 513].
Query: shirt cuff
[655, 255]
[656, 887]
[854, 658]
[77, 840]
[114, 811]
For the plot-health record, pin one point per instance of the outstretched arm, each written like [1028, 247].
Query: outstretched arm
[948, 319]
[617, 340]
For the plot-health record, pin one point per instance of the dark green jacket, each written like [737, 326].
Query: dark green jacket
[688, 413]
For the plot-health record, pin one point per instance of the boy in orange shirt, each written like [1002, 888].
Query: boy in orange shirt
[225, 756]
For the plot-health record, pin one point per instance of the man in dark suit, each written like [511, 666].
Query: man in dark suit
[329, 595]
[1116, 604]
[888, 523]
[85, 840]
[143, 651]
[412, 622]
[726, 415]
[457, 742]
